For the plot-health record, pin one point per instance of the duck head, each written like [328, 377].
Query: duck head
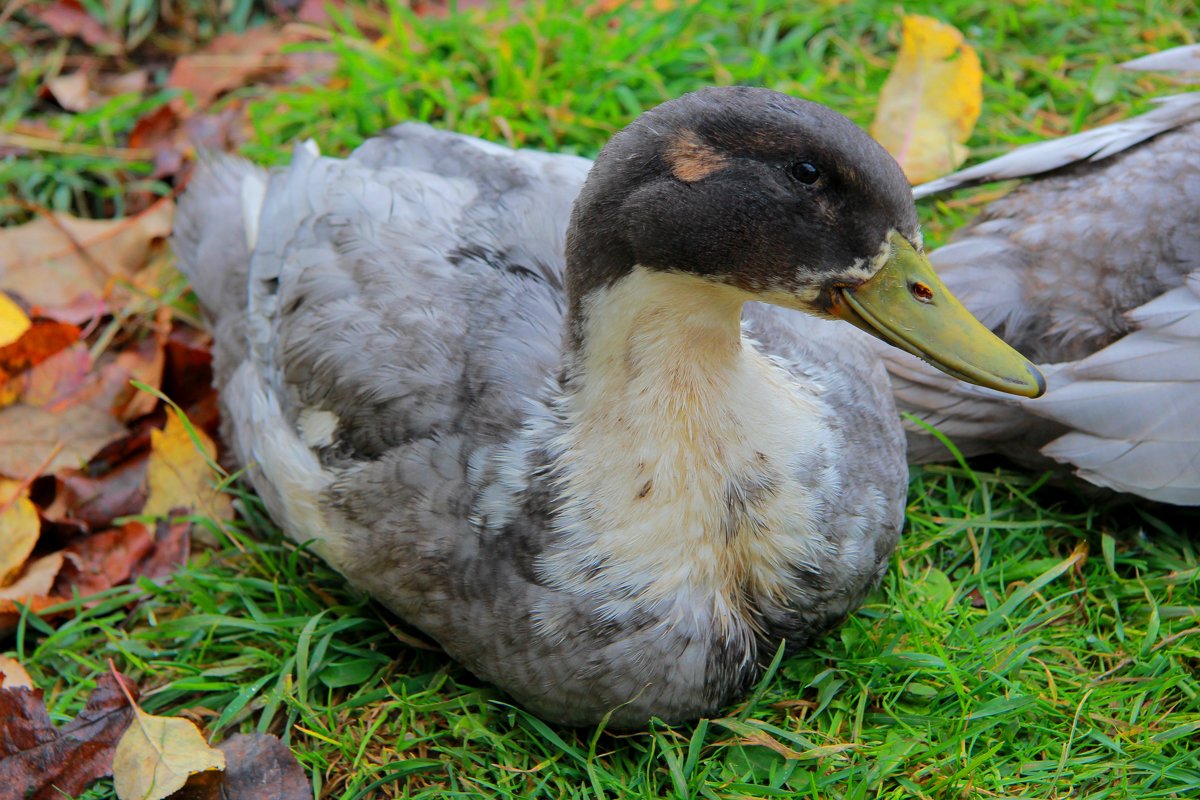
[790, 203]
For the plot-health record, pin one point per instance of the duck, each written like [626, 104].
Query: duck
[610, 461]
[1090, 266]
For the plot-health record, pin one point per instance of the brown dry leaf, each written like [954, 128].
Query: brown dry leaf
[19, 528]
[157, 754]
[97, 500]
[930, 101]
[13, 322]
[179, 476]
[172, 544]
[227, 62]
[41, 762]
[36, 441]
[12, 674]
[59, 259]
[257, 765]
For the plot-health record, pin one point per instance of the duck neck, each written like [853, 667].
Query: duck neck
[652, 330]
[678, 438]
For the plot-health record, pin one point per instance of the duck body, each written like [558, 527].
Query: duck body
[1092, 268]
[607, 483]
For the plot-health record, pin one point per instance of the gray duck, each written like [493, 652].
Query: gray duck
[610, 471]
[1092, 268]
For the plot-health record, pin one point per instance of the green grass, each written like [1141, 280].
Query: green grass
[1026, 643]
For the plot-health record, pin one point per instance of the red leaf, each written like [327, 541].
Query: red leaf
[102, 560]
[67, 18]
[41, 762]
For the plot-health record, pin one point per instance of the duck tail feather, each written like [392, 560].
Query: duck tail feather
[216, 226]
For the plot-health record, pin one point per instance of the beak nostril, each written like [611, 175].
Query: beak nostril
[921, 291]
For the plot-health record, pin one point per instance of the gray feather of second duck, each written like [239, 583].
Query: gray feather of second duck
[1092, 268]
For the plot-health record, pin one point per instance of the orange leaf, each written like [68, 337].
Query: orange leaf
[930, 101]
[43, 339]
[179, 475]
[102, 560]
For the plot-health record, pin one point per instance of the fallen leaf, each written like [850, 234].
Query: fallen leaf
[35, 441]
[56, 380]
[179, 476]
[188, 376]
[35, 580]
[227, 62]
[57, 259]
[19, 528]
[41, 762]
[174, 134]
[98, 500]
[84, 89]
[68, 18]
[144, 363]
[157, 754]
[172, 543]
[43, 339]
[257, 766]
[930, 101]
[102, 560]
[74, 91]
[11, 611]
[13, 675]
[13, 322]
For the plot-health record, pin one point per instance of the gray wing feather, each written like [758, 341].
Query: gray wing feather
[1177, 59]
[1094, 145]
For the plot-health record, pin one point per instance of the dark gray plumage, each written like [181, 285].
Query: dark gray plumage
[389, 349]
[1093, 270]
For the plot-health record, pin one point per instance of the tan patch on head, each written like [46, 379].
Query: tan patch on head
[691, 159]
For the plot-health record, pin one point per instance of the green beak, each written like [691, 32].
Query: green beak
[906, 305]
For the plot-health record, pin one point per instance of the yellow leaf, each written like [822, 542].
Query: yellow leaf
[19, 528]
[930, 101]
[179, 476]
[156, 755]
[13, 321]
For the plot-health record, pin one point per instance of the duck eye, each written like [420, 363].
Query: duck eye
[805, 172]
